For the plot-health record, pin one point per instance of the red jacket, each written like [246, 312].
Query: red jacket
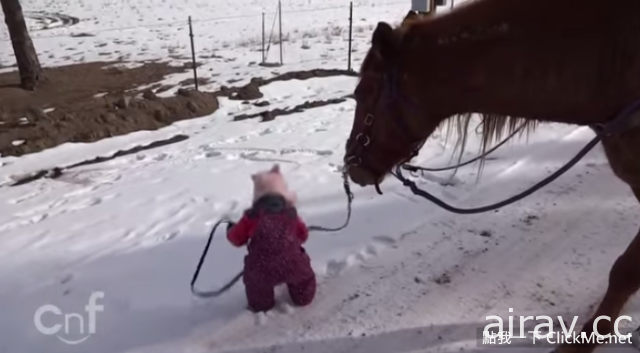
[241, 232]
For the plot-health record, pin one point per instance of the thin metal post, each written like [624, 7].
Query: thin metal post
[263, 35]
[280, 18]
[350, 32]
[193, 55]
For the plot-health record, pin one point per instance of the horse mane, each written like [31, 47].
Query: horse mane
[494, 129]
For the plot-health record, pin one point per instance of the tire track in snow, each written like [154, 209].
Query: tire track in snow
[50, 20]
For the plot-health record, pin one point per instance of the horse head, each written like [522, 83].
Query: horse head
[390, 126]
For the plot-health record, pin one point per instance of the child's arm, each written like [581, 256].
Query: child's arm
[239, 234]
[302, 230]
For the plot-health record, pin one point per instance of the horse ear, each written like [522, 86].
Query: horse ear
[275, 168]
[411, 15]
[384, 40]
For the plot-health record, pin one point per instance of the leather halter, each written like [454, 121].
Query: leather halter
[386, 100]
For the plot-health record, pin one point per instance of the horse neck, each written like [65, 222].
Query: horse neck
[534, 59]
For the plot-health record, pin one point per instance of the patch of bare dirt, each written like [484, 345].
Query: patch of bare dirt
[305, 75]
[202, 81]
[272, 114]
[65, 85]
[251, 90]
[78, 116]
[91, 102]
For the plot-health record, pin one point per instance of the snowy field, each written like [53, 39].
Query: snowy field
[403, 277]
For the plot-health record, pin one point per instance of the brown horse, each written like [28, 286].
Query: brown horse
[512, 62]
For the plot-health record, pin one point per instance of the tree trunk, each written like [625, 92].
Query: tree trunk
[25, 53]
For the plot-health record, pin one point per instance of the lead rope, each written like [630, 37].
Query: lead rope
[226, 287]
[347, 191]
[412, 168]
[624, 121]
[419, 192]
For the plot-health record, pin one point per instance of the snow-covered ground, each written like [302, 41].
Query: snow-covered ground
[404, 276]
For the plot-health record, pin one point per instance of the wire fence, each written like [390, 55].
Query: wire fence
[274, 38]
[195, 20]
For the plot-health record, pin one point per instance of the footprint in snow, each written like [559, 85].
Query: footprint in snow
[66, 279]
[232, 157]
[161, 157]
[266, 131]
[168, 236]
[236, 139]
[199, 200]
[209, 154]
[385, 240]
[337, 267]
[42, 208]
[86, 203]
[39, 218]
[24, 198]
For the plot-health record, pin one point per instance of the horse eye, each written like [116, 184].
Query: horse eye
[357, 93]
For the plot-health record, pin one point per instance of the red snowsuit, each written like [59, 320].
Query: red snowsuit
[275, 234]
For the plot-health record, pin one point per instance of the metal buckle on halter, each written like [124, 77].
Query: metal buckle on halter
[362, 140]
[366, 142]
[368, 120]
